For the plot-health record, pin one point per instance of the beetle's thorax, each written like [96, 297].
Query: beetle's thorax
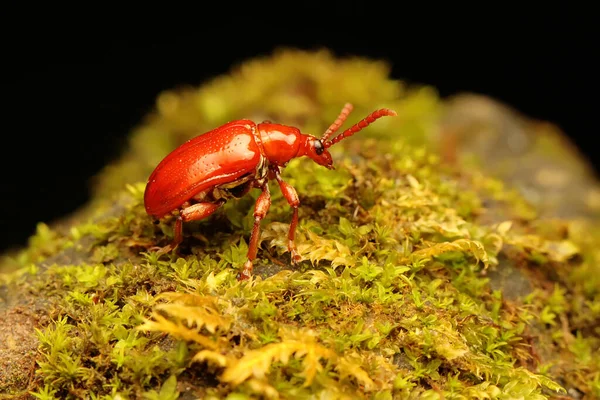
[280, 142]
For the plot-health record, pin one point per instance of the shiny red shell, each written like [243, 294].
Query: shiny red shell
[211, 159]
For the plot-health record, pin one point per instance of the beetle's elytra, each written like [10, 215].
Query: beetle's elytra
[227, 162]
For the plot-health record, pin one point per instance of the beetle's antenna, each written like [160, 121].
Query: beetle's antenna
[338, 122]
[375, 115]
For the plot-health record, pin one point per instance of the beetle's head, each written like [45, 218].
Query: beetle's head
[316, 151]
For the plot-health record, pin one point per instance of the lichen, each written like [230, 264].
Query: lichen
[396, 296]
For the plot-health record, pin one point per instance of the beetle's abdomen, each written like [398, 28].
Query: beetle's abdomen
[216, 157]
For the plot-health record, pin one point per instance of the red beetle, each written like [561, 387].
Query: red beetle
[198, 177]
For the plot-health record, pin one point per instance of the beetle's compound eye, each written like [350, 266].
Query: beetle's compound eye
[319, 147]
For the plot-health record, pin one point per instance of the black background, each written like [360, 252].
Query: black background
[72, 93]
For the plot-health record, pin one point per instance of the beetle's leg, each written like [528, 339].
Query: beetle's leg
[200, 211]
[291, 196]
[178, 237]
[194, 212]
[263, 203]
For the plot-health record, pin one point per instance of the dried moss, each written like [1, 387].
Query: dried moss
[397, 296]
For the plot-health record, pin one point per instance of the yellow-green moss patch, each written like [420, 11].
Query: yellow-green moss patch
[403, 291]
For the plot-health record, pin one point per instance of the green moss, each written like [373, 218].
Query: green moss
[394, 298]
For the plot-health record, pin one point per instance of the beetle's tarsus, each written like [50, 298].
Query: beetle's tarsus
[246, 272]
[162, 250]
[295, 257]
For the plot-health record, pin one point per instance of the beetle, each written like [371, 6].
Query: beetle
[198, 177]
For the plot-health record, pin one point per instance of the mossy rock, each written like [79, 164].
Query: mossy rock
[426, 274]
